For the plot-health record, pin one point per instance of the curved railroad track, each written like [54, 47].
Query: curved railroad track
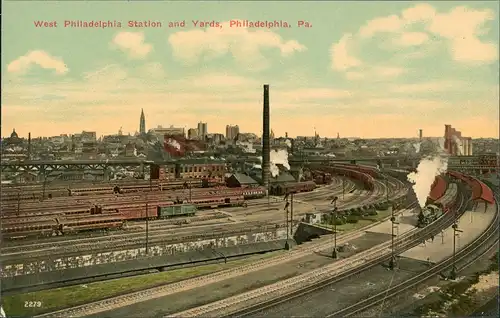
[129, 299]
[271, 295]
[483, 243]
[161, 235]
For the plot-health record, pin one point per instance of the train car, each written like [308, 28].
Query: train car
[349, 171]
[165, 212]
[29, 229]
[74, 225]
[215, 202]
[429, 214]
[294, 187]
[321, 177]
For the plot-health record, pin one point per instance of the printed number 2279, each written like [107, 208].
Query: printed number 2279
[32, 304]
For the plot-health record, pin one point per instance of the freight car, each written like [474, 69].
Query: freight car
[29, 228]
[295, 187]
[61, 225]
[165, 212]
[365, 179]
[371, 171]
[321, 177]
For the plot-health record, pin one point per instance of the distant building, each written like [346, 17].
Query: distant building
[171, 131]
[193, 133]
[202, 130]
[88, 136]
[142, 123]
[232, 132]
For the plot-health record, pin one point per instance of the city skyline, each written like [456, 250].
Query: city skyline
[378, 70]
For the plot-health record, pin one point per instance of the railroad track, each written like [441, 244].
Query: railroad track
[137, 297]
[258, 299]
[487, 239]
[168, 236]
[155, 236]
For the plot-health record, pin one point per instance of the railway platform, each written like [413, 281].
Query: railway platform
[406, 218]
[471, 223]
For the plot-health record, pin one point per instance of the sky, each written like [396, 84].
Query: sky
[367, 69]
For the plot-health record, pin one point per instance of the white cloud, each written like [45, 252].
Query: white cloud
[108, 74]
[411, 39]
[385, 24]
[341, 58]
[418, 13]
[132, 43]
[40, 58]
[243, 44]
[472, 50]
[459, 28]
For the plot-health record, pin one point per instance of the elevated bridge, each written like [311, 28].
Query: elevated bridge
[469, 164]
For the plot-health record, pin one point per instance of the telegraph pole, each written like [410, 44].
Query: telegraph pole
[343, 188]
[287, 246]
[18, 201]
[334, 252]
[291, 213]
[147, 224]
[190, 192]
[392, 262]
[456, 232]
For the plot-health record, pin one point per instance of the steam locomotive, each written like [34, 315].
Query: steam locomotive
[429, 214]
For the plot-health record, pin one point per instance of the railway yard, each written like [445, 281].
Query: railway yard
[116, 223]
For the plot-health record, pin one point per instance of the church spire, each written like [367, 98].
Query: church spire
[142, 124]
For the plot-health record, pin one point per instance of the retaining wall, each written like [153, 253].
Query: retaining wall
[82, 275]
[165, 250]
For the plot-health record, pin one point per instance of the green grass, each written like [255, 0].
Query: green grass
[59, 298]
[362, 222]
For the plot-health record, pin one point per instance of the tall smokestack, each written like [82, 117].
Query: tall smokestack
[29, 146]
[420, 134]
[266, 153]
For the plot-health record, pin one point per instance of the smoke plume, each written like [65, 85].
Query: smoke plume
[174, 143]
[427, 170]
[441, 141]
[278, 157]
[417, 147]
[288, 143]
[460, 146]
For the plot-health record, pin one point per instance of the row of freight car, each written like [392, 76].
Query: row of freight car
[79, 206]
[67, 225]
[111, 202]
[16, 193]
[350, 172]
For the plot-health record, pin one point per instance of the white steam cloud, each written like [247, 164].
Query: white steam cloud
[417, 147]
[460, 146]
[278, 157]
[174, 143]
[441, 144]
[427, 170]
[288, 143]
[135, 152]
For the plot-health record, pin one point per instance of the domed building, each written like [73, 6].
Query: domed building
[13, 139]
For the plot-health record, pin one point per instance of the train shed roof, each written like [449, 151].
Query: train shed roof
[486, 193]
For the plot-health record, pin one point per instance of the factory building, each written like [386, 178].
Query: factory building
[202, 130]
[455, 144]
[232, 132]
